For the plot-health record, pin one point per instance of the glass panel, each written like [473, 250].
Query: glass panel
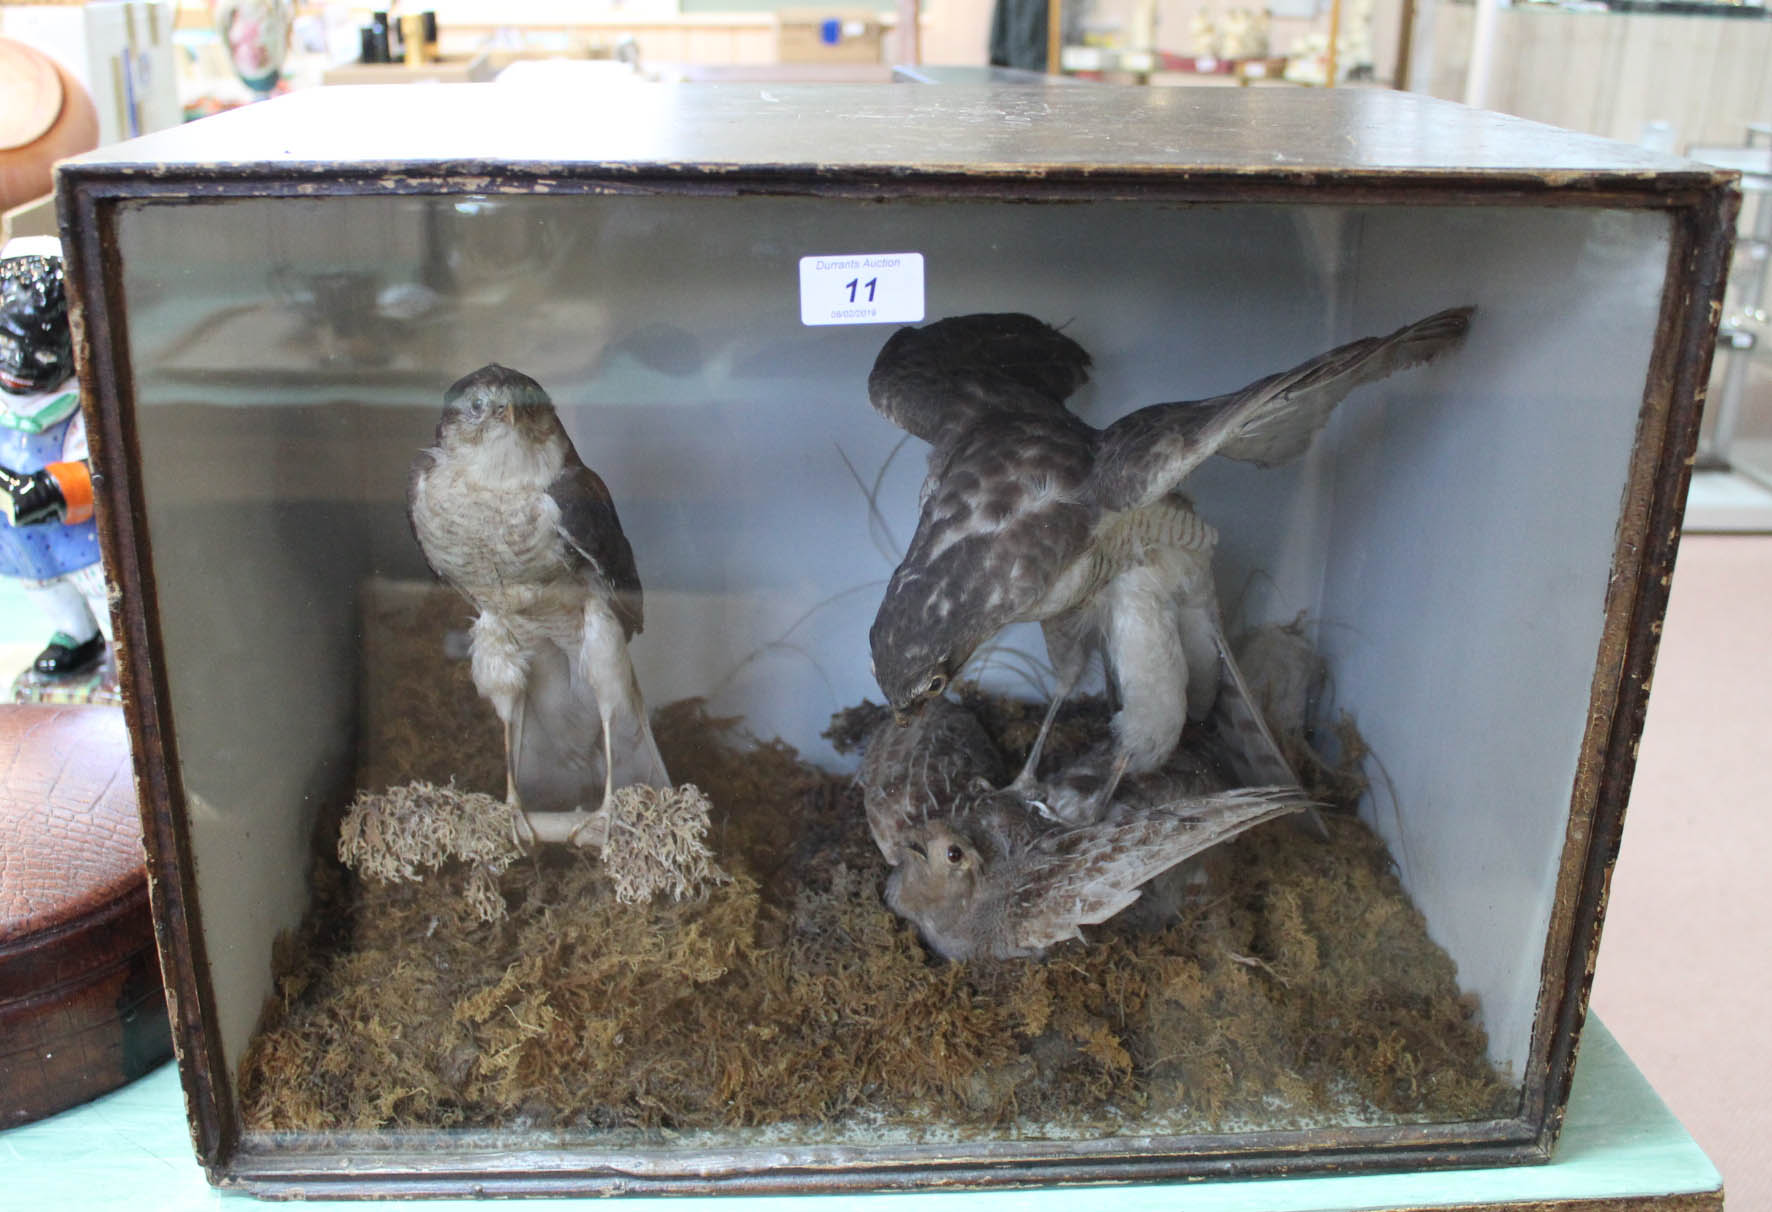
[1420, 593]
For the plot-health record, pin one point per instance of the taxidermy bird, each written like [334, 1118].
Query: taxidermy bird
[939, 765]
[982, 875]
[1029, 514]
[508, 514]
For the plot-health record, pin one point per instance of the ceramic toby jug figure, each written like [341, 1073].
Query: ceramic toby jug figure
[49, 541]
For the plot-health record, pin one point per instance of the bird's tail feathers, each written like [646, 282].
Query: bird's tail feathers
[1255, 754]
[1254, 751]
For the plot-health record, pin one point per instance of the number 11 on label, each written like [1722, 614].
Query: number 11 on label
[861, 288]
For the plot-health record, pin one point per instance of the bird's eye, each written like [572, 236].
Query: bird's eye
[937, 683]
[955, 854]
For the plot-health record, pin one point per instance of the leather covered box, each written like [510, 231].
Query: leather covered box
[82, 1010]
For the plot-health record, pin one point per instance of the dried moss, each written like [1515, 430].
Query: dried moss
[1303, 988]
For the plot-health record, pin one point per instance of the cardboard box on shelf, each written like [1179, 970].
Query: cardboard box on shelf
[477, 69]
[34, 218]
[818, 36]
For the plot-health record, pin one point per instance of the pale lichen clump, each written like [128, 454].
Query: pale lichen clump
[658, 843]
[655, 841]
[399, 835]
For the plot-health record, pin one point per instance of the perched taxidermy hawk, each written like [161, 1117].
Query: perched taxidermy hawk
[1029, 514]
[509, 515]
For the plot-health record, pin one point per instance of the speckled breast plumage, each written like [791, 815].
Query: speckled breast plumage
[499, 535]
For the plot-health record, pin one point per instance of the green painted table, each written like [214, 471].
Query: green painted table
[1621, 1149]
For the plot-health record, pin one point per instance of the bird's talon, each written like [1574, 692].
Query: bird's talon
[595, 823]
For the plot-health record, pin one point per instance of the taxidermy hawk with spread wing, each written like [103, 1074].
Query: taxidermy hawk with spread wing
[509, 515]
[1030, 514]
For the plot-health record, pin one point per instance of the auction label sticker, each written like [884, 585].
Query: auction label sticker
[861, 288]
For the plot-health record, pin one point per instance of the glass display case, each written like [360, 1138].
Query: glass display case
[340, 343]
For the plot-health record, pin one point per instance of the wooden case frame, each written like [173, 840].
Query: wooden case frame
[912, 142]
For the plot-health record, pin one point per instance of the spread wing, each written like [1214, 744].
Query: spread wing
[1080, 877]
[936, 380]
[1147, 453]
[589, 524]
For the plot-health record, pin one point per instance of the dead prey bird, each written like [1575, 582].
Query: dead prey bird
[509, 515]
[1031, 514]
[981, 875]
[940, 765]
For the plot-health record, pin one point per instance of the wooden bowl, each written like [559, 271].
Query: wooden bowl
[45, 115]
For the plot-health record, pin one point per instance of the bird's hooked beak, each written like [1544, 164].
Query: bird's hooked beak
[932, 688]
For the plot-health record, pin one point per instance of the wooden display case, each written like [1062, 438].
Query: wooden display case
[1488, 543]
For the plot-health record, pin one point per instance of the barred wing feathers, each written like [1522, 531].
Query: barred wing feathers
[1084, 876]
[938, 380]
[1145, 454]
